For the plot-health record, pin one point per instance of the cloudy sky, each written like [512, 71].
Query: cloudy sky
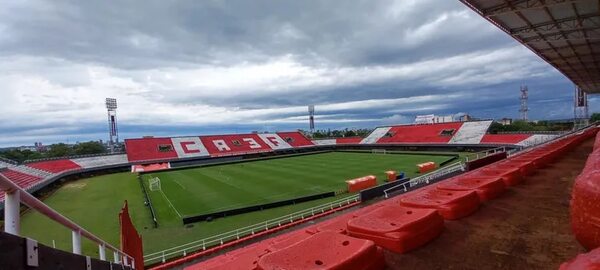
[202, 67]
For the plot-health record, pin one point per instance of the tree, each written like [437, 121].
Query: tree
[349, 133]
[88, 148]
[20, 156]
[595, 117]
[59, 150]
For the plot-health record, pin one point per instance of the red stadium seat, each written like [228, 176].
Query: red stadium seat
[396, 228]
[148, 149]
[295, 139]
[55, 166]
[585, 208]
[450, 204]
[326, 250]
[289, 239]
[510, 175]
[486, 187]
[339, 224]
[245, 258]
[430, 133]
[526, 168]
[586, 261]
[23, 180]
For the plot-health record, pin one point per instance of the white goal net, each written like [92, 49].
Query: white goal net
[154, 184]
[378, 151]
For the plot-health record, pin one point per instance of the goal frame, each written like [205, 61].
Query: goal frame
[154, 184]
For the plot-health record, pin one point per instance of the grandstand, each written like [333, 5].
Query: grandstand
[413, 218]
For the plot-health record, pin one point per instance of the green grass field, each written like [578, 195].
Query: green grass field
[95, 202]
[211, 189]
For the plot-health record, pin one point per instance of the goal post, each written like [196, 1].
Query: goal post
[378, 151]
[154, 184]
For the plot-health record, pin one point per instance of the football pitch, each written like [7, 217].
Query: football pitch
[95, 202]
[211, 189]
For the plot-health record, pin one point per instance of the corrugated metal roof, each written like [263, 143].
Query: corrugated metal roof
[565, 33]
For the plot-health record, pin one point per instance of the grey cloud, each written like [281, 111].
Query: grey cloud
[60, 59]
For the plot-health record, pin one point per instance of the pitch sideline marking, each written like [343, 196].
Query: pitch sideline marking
[171, 204]
[177, 182]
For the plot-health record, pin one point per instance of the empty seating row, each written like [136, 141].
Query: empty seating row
[400, 224]
[431, 133]
[21, 179]
[100, 161]
[55, 166]
[32, 171]
[295, 139]
[474, 132]
[155, 149]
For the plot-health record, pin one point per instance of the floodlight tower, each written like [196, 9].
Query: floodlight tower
[580, 109]
[113, 131]
[524, 96]
[311, 118]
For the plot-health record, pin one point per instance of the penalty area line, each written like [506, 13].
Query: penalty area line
[170, 204]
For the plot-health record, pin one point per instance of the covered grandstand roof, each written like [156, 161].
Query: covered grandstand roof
[565, 33]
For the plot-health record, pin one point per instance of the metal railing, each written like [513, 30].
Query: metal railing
[426, 178]
[223, 238]
[529, 147]
[485, 153]
[16, 195]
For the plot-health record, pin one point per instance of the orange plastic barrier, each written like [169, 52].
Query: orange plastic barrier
[426, 167]
[525, 167]
[585, 209]
[238, 259]
[359, 184]
[326, 250]
[585, 202]
[486, 187]
[450, 204]
[587, 261]
[396, 228]
[391, 176]
[510, 176]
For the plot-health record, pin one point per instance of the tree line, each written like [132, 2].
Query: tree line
[54, 151]
[520, 126]
[321, 134]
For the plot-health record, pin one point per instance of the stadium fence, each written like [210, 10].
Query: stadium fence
[16, 195]
[149, 202]
[223, 238]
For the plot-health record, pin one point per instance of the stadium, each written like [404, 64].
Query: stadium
[435, 194]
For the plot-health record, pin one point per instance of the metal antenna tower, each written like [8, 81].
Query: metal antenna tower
[524, 96]
[113, 131]
[581, 115]
[311, 118]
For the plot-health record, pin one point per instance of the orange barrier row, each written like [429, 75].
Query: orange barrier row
[400, 224]
[450, 204]
[585, 210]
[426, 167]
[391, 176]
[359, 184]
[585, 201]
[586, 261]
